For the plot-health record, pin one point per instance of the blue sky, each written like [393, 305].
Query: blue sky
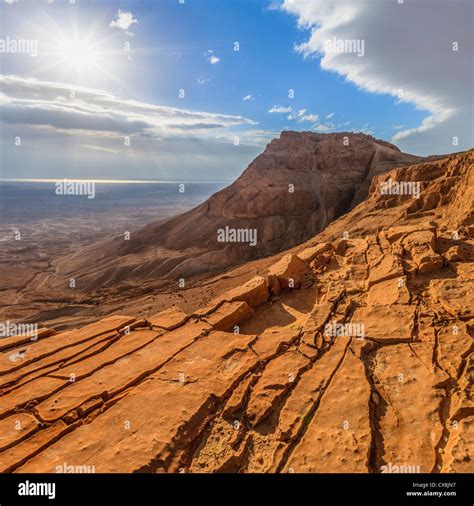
[190, 47]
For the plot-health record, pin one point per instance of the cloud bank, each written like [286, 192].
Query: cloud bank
[419, 52]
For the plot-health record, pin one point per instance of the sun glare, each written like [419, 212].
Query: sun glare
[78, 54]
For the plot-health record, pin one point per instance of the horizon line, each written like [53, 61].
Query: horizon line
[105, 181]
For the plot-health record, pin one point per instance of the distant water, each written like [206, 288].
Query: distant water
[30, 202]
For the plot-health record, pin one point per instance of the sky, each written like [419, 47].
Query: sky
[193, 90]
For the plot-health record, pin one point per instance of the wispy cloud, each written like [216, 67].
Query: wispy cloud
[247, 98]
[41, 103]
[279, 109]
[323, 128]
[302, 116]
[116, 136]
[329, 116]
[203, 80]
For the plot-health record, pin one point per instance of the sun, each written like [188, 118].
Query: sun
[78, 54]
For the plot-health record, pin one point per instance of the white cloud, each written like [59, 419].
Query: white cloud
[41, 103]
[123, 20]
[413, 53]
[211, 57]
[202, 80]
[100, 148]
[301, 117]
[248, 97]
[329, 116]
[84, 135]
[323, 128]
[279, 109]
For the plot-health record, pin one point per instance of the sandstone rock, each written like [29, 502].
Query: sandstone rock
[309, 254]
[155, 400]
[318, 317]
[337, 438]
[271, 341]
[17, 455]
[456, 296]
[168, 319]
[15, 428]
[304, 397]
[341, 246]
[288, 271]
[39, 349]
[392, 291]
[11, 342]
[411, 427]
[229, 315]
[386, 323]
[389, 267]
[254, 292]
[454, 344]
[276, 379]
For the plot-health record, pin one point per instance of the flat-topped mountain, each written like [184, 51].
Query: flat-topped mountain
[294, 189]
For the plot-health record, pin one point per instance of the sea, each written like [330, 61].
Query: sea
[30, 201]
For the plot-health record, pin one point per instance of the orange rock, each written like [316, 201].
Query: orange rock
[229, 315]
[456, 296]
[337, 438]
[309, 254]
[254, 292]
[276, 379]
[271, 341]
[392, 291]
[410, 429]
[168, 319]
[15, 428]
[386, 323]
[289, 271]
[304, 397]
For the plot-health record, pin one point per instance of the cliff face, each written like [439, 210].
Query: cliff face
[295, 188]
[342, 355]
